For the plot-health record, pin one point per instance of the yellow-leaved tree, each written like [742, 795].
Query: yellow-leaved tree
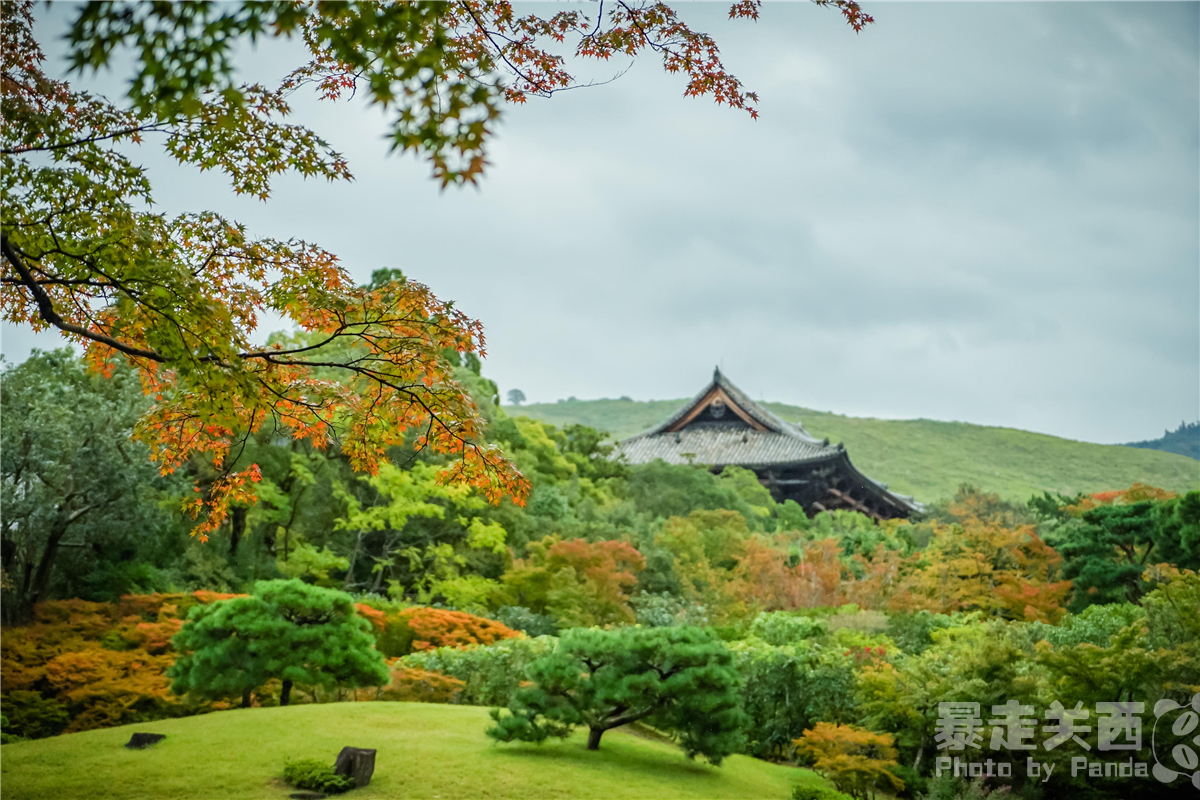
[855, 759]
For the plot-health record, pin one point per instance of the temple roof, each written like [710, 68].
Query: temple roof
[720, 447]
[746, 433]
[721, 425]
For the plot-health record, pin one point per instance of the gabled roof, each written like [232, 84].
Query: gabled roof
[752, 436]
[721, 425]
[722, 387]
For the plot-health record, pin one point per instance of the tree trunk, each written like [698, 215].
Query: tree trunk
[385, 552]
[246, 698]
[378, 584]
[349, 582]
[15, 612]
[35, 591]
[237, 527]
[37, 588]
[286, 693]
[358, 763]
[8, 553]
[594, 735]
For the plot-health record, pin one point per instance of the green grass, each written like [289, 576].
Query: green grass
[424, 751]
[926, 458]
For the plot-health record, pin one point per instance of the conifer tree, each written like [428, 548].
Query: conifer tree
[287, 630]
[679, 679]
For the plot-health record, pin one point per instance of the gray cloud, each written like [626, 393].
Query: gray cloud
[985, 212]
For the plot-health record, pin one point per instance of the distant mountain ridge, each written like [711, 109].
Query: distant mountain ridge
[927, 458]
[1184, 440]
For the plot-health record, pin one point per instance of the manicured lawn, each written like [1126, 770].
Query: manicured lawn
[425, 751]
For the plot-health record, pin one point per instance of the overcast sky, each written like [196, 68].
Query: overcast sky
[978, 212]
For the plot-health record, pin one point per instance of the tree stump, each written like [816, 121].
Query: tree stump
[140, 741]
[358, 763]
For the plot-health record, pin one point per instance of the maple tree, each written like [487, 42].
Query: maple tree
[418, 629]
[180, 298]
[777, 574]
[81, 665]
[855, 759]
[704, 548]
[1125, 669]
[576, 581]
[442, 69]
[971, 658]
[983, 563]
[1136, 493]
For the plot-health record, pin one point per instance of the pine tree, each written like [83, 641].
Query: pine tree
[678, 679]
[287, 630]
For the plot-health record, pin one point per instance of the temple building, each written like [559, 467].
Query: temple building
[722, 426]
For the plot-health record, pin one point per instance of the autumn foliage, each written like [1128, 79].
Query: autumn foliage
[82, 665]
[1137, 493]
[417, 629]
[576, 581]
[855, 759]
[181, 298]
[983, 565]
[409, 685]
[103, 664]
[984, 561]
[821, 575]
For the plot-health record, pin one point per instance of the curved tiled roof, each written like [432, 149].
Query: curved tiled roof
[680, 439]
[781, 443]
[719, 446]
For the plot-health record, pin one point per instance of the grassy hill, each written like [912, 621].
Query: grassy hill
[926, 458]
[424, 751]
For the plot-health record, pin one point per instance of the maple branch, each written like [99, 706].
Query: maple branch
[599, 22]
[46, 309]
[637, 23]
[344, 330]
[152, 126]
[47, 312]
[536, 85]
[49, 281]
[232, 462]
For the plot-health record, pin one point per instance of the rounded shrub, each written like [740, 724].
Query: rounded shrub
[317, 776]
